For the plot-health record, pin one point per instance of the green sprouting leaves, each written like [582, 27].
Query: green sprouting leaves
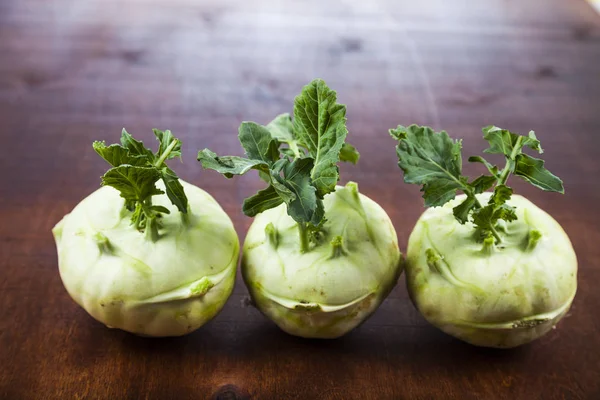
[533, 171]
[174, 189]
[486, 218]
[434, 161]
[261, 201]
[135, 147]
[282, 129]
[505, 142]
[135, 171]
[306, 206]
[166, 140]
[133, 182]
[229, 165]
[483, 183]
[529, 168]
[117, 155]
[462, 211]
[348, 153]
[320, 124]
[297, 157]
[258, 142]
[491, 168]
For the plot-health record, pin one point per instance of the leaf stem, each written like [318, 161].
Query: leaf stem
[510, 162]
[151, 221]
[137, 215]
[152, 229]
[303, 232]
[166, 153]
[504, 174]
[496, 234]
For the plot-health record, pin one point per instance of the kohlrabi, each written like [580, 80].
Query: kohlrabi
[491, 269]
[318, 258]
[147, 253]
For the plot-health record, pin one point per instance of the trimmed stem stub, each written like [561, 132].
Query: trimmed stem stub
[488, 246]
[533, 238]
[272, 235]
[338, 248]
[432, 259]
[436, 263]
[103, 243]
[202, 287]
[353, 188]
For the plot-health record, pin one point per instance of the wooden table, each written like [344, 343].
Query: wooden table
[76, 71]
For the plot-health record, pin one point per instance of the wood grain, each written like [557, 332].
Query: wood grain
[76, 71]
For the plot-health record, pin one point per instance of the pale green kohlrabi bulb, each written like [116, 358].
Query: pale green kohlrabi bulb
[165, 288]
[330, 289]
[500, 295]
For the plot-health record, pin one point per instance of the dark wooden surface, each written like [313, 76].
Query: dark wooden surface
[75, 71]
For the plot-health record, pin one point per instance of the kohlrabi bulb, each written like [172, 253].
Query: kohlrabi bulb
[330, 289]
[500, 295]
[167, 287]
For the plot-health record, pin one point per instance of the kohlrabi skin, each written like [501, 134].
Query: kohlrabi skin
[135, 261]
[329, 290]
[491, 269]
[319, 258]
[501, 296]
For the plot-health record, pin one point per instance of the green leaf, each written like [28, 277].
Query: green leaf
[302, 172]
[263, 155]
[306, 206]
[430, 159]
[501, 141]
[160, 209]
[483, 217]
[165, 139]
[263, 200]
[483, 183]
[532, 142]
[135, 172]
[348, 153]
[434, 161]
[479, 185]
[282, 129]
[174, 189]
[320, 124]
[439, 192]
[492, 168]
[258, 143]
[502, 194]
[264, 175]
[230, 165]
[289, 152]
[487, 217]
[279, 183]
[533, 171]
[135, 147]
[117, 155]
[461, 211]
[134, 183]
[506, 212]
[398, 133]
[505, 142]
